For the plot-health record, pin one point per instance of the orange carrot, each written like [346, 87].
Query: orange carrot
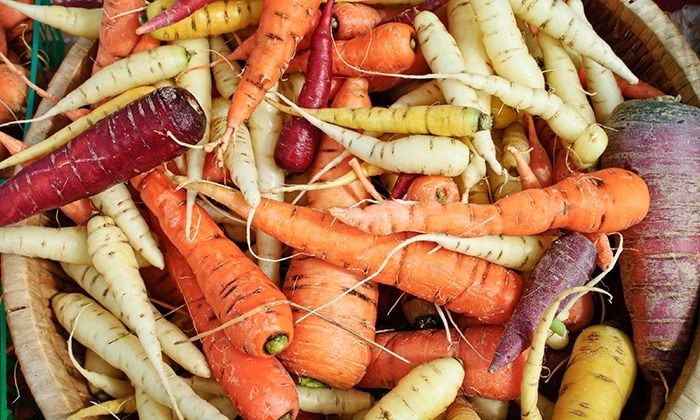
[539, 160]
[78, 211]
[9, 17]
[440, 189]
[120, 18]
[258, 388]
[528, 180]
[581, 314]
[13, 95]
[311, 282]
[354, 19]
[609, 200]
[232, 283]
[389, 48]
[3, 41]
[421, 346]
[161, 286]
[602, 244]
[282, 26]
[146, 42]
[564, 165]
[462, 283]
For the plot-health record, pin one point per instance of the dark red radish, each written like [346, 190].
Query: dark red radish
[131, 141]
[660, 264]
[296, 148]
[567, 263]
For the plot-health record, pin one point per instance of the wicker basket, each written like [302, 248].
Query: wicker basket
[636, 29]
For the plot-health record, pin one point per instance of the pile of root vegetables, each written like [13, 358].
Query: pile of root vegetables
[362, 210]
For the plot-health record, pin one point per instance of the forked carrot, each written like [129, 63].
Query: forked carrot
[528, 179]
[489, 292]
[231, 283]
[609, 200]
[258, 388]
[311, 282]
[282, 26]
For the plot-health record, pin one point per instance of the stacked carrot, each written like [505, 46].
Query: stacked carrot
[460, 188]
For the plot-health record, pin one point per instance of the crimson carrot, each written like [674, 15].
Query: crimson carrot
[258, 388]
[489, 292]
[475, 353]
[539, 161]
[311, 282]
[389, 48]
[232, 283]
[118, 37]
[609, 200]
[297, 144]
[403, 182]
[282, 26]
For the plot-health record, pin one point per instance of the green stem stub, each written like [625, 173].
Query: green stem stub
[558, 327]
[276, 344]
[307, 382]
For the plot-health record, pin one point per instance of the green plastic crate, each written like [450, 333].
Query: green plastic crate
[48, 47]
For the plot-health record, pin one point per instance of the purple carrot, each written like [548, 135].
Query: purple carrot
[175, 13]
[296, 148]
[402, 184]
[130, 141]
[567, 263]
[409, 15]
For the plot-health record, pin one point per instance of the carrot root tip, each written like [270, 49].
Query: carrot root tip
[276, 344]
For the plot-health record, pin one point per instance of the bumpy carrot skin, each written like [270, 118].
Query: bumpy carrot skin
[231, 283]
[298, 141]
[605, 201]
[116, 148]
[389, 48]
[489, 292]
[421, 346]
[259, 388]
[282, 26]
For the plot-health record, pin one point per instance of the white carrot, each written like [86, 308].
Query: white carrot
[72, 130]
[504, 43]
[149, 409]
[562, 76]
[226, 75]
[422, 394]
[67, 244]
[114, 258]
[600, 81]
[441, 52]
[139, 69]
[504, 183]
[265, 125]
[240, 161]
[473, 174]
[428, 93]
[95, 363]
[489, 409]
[517, 252]
[116, 388]
[126, 405]
[198, 83]
[73, 20]
[174, 342]
[557, 20]
[514, 136]
[116, 203]
[333, 401]
[429, 155]
[100, 331]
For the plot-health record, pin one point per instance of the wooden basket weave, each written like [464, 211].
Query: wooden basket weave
[638, 31]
